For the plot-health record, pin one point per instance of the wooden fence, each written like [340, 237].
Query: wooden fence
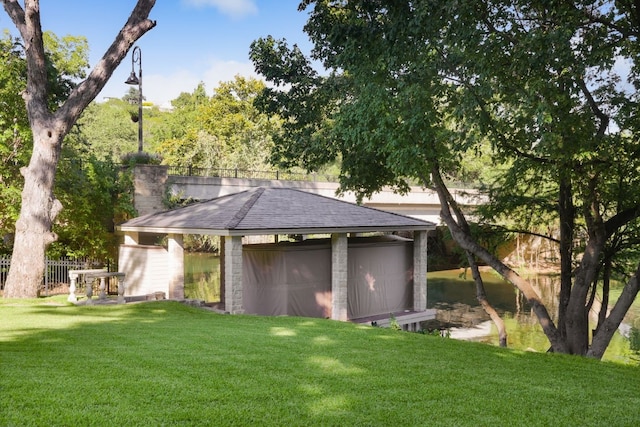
[56, 277]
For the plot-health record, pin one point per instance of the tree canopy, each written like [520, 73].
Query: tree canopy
[224, 131]
[15, 135]
[414, 88]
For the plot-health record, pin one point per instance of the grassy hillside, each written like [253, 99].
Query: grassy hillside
[164, 363]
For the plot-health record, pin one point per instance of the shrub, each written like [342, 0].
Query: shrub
[141, 158]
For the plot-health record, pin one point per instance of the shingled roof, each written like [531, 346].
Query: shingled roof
[261, 210]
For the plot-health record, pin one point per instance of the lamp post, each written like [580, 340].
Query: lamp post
[136, 57]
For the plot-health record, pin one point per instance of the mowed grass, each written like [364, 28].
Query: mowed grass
[164, 363]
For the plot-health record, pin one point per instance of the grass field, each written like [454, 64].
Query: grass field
[163, 363]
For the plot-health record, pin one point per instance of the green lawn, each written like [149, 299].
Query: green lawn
[163, 363]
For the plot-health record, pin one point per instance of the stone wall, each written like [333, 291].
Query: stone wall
[146, 269]
[149, 188]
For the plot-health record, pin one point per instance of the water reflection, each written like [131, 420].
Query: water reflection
[452, 294]
[202, 276]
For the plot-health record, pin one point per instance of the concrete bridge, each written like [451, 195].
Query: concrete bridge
[154, 182]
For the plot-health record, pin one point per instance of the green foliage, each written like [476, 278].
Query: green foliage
[410, 87]
[225, 131]
[634, 338]
[15, 135]
[170, 364]
[122, 134]
[393, 323]
[133, 96]
[141, 158]
[68, 58]
[117, 116]
[96, 194]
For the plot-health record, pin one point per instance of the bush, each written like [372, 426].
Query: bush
[141, 158]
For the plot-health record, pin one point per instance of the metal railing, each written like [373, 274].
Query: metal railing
[276, 175]
[56, 277]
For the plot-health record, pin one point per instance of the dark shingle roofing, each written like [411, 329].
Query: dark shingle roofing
[273, 211]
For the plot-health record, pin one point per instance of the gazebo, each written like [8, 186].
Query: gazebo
[246, 280]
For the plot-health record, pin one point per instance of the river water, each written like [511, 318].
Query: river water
[459, 316]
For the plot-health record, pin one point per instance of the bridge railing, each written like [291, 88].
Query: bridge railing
[250, 174]
[279, 175]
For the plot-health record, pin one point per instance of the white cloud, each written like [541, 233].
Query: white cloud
[233, 8]
[162, 89]
[223, 71]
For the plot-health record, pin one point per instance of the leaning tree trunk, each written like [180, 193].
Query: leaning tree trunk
[38, 211]
[481, 296]
[606, 288]
[602, 337]
[466, 242]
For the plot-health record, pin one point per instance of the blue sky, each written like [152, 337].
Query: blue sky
[193, 41]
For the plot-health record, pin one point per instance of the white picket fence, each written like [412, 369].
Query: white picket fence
[56, 277]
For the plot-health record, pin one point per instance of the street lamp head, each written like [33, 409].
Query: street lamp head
[136, 56]
[133, 80]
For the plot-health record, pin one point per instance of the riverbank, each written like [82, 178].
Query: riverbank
[458, 313]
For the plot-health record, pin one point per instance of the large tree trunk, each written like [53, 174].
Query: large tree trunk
[566, 212]
[38, 211]
[39, 206]
[577, 315]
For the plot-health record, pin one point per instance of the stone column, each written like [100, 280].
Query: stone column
[339, 248]
[233, 275]
[149, 188]
[176, 266]
[222, 270]
[419, 270]
[73, 278]
[103, 288]
[121, 288]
